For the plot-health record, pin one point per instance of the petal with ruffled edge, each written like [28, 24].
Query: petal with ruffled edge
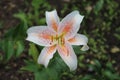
[70, 24]
[79, 39]
[52, 19]
[46, 54]
[67, 54]
[40, 35]
[85, 48]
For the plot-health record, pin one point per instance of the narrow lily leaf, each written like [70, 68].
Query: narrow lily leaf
[36, 3]
[98, 6]
[19, 48]
[50, 73]
[77, 50]
[16, 33]
[30, 66]
[8, 49]
[21, 16]
[33, 52]
[87, 77]
[41, 74]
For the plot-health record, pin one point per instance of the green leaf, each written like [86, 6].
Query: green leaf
[36, 3]
[98, 6]
[22, 16]
[77, 50]
[33, 52]
[87, 77]
[59, 64]
[39, 72]
[46, 74]
[110, 76]
[8, 48]
[16, 33]
[19, 48]
[31, 66]
[117, 36]
[97, 63]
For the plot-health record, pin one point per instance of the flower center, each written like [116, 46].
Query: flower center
[58, 39]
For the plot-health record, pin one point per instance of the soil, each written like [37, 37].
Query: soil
[11, 70]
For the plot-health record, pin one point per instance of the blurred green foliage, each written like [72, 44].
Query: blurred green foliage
[101, 22]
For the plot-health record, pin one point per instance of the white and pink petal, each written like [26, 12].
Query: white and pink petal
[85, 48]
[52, 19]
[68, 55]
[70, 24]
[78, 39]
[46, 54]
[40, 35]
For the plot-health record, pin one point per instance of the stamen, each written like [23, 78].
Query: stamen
[58, 38]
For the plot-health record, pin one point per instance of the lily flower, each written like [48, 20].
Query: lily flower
[59, 36]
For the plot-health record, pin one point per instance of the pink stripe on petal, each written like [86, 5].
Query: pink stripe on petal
[46, 54]
[67, 54]
[78, 39]
[52, 19]
[41, 35]
[70, 24]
